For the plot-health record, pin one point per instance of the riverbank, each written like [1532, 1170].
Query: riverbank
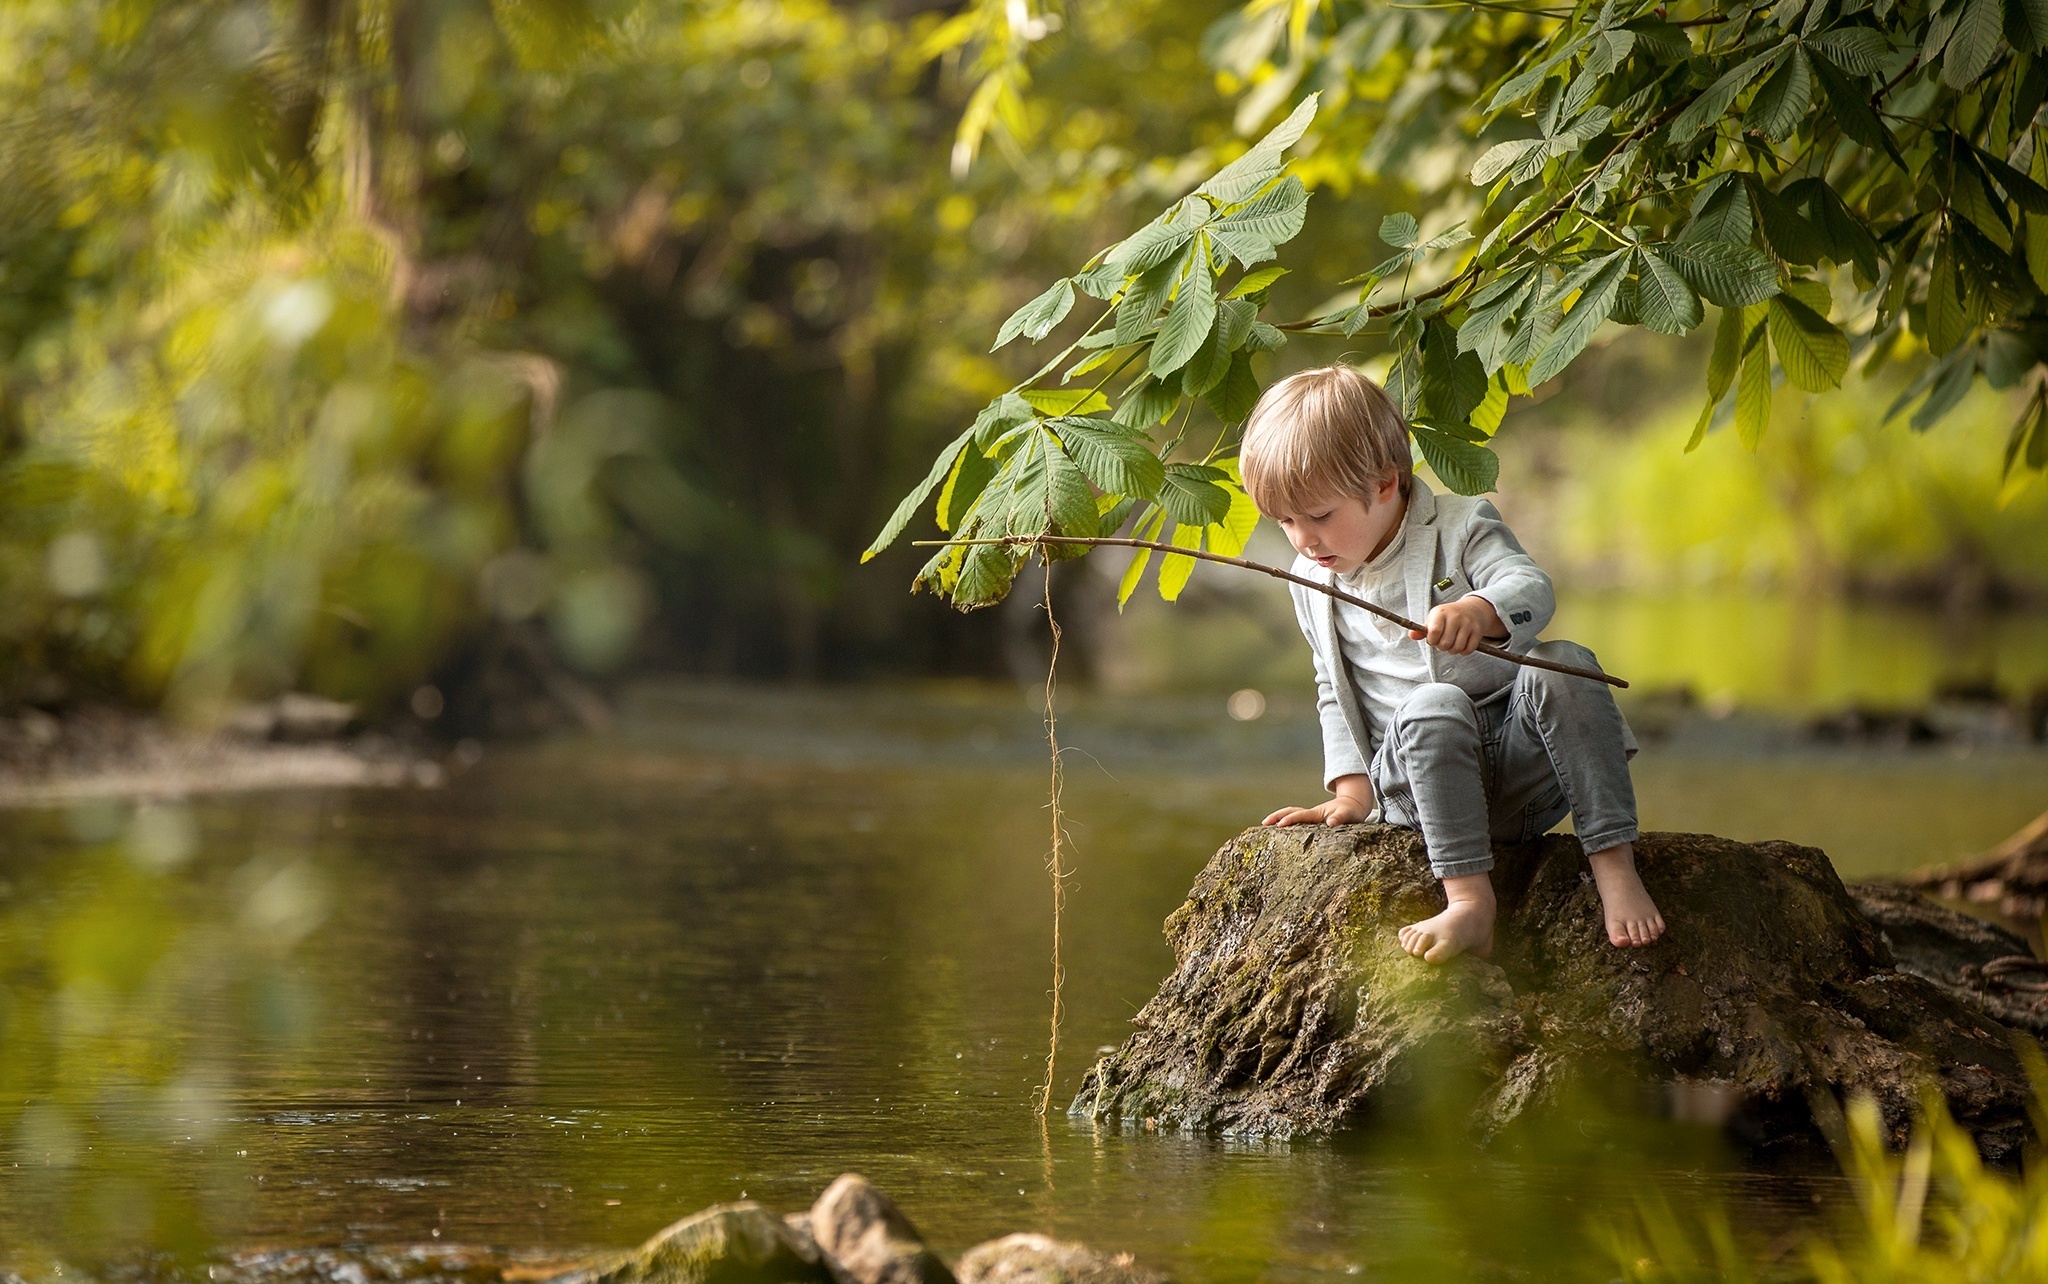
[294, 742]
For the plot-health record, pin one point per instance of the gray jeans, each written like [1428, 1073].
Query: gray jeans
[1508, 768]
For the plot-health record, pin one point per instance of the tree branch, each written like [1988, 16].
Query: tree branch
[1332, 590]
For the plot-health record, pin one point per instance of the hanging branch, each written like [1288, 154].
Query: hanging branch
[1484, 648]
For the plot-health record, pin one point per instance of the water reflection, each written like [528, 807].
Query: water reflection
[749, 941]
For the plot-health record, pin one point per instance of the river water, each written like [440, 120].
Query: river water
[754, 938]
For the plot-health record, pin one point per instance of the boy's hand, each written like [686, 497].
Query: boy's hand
[1352, 804]
[1457, 628]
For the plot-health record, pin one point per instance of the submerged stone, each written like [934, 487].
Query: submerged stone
[1040, 1259]
[1292, 1008]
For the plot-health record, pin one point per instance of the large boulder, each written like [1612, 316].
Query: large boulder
[1292, 1008]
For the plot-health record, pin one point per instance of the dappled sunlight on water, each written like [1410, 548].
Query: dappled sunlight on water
[748, 941]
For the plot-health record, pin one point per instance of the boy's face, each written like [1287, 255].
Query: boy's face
[1344, 534]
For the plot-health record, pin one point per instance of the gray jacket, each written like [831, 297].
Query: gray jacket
[1456, 545]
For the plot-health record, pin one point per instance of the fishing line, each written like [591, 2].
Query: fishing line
[1054, 863]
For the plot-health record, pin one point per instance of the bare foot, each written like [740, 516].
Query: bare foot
[1466, 925]
[1632, 917]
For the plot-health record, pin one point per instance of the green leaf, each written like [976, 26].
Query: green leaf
[2037, 249]
[1466, 468]
[1234, 398]
[985, 575]
[1069, 500]
[1849, 241]
[1948, 320]
[1017, 499]
[1253, 170]
[1175, 569]
[1485, 331]
[1518, 86]
[1727, 275]
[2033, 15]
[1401, 231]
[1147, 404]
[2023, 191]
[1103, 354]
[1206, 368]
[2029, 439]
[1234, 318]
[1849, 103]
[1159, 240]
[1487, 416]
[1664, 301]
[1979, 32]
[1502, 157]
[1596, 298]
[1114, 459]
[1275, 217]
[1720, 213]
[1253, 282]
[1101, 281]
[1790, 237]
[963, 486]
[2008, 356]
[1813, 353]
[1664, 41]
[1141, 302]
[1244, 245]
[1235, 531]
[1957, 373]
[1969, 196]
[997, 418]
[1453, 383]
[1036, 319]
[1719, 96]
[1190, 495]
[1856, 50]
[1532, 331]
[1190, 317]
[1065, 401]
[908, 506]
[1753, 391]
[1209, 366]
[1737, 325]
[1781, 104]
[1265, 338]
[1134, 571]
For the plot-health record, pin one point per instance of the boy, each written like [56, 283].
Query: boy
[1467, 748]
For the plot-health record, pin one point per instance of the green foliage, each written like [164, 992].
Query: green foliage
[1934, 1214]
[1870, 173]
[1053, 467]
[338, 339]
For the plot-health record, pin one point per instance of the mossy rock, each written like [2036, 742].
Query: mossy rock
[1293, 1010]
[738, 1243]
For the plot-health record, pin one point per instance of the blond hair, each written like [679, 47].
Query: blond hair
[1322, 434]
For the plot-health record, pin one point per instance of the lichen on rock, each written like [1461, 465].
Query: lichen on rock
[1292, 1008]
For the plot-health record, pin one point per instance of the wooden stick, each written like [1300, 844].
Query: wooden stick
[1484, 648]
